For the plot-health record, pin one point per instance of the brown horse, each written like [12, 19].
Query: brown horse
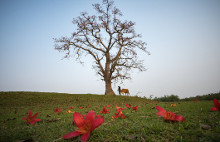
[125, 91]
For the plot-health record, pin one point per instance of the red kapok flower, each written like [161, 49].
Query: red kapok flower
[135, 108]
[57, 110]
[128, 106]
[104, 110]
[216, 104]
[71, 107]
[85, 125]
[169, 116]
[119, 114]
[31, 119]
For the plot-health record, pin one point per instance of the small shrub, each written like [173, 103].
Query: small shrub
[167, 98]
[204, 97]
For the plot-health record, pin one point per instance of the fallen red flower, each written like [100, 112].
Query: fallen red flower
[169, 116]
[128, 106]
[119, 114]
[216, 104]
[81, 107]
[135, 108]
[104, 110]
[71, 107]
[31, 119]
[57, 110]
[85, 125]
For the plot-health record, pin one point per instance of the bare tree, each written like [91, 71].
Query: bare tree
[112, 43]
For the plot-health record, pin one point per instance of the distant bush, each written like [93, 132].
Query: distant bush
[167, 98]
[204, 97]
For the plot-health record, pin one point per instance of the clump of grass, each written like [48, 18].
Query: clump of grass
[142, 125]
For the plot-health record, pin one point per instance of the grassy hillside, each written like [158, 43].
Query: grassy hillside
[142, 125]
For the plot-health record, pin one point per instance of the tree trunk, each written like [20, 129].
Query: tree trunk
[108, 88]
[107, 76]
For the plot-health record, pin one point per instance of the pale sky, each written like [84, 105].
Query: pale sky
[183, 38]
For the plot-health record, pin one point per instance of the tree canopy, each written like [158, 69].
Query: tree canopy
[111, 42]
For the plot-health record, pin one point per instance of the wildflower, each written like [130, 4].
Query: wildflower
[135, 108]
[172, 105]
[128, 106]
[31, 119]
[104, 110]
[216, 104]
[57, 110]
[85, 125]
[169, 116]
[119, 114]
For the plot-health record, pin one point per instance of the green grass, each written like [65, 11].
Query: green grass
[143, 125]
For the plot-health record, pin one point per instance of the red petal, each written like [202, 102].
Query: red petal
[32, 122]
[35, 115]
[160, 109]
[29, 113]
[97, 122]
[90, 116]
[78, 119]
[71, 134]
[85, 137]
[160, 113]
[216, 103]
[122, 116]
[38, 120]
[97, 116]
[214, 109]
[180, 118]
